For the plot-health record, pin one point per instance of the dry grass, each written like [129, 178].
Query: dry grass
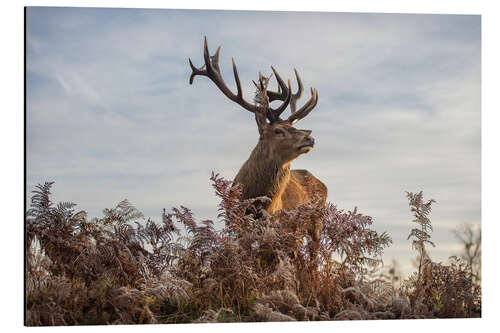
[115, 270]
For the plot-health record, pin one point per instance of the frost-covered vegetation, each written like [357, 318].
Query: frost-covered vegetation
[121, 269]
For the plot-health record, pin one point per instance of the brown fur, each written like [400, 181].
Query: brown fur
[267, 170]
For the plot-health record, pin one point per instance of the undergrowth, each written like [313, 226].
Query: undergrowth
[123, 269]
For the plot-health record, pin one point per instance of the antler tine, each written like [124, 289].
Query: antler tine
[282, 91]
[304, 111]
[296, 96]
[212, 71]
[195, 72]
[237, 79]
[284, 95]
[215, 59]
[206, 55]
[274, 114]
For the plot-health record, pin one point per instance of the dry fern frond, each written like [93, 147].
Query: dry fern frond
[124, 269]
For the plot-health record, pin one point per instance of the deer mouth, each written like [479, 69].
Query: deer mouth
[306, 148]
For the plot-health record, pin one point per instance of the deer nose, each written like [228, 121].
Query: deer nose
[310, 140]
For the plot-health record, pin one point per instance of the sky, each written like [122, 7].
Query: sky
[110, 113]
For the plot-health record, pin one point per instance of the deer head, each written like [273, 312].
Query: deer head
[278, 137]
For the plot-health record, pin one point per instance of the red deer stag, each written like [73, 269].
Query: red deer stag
[267, 170]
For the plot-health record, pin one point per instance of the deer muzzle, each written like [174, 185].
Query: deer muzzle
[308, 144]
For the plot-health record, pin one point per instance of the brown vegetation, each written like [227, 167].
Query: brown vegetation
[120, 269]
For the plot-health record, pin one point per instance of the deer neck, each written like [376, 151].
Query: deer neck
[263, 175]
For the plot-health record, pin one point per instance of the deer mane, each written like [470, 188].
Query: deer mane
[262, 174]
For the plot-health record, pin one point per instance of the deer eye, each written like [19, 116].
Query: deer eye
[279, 132]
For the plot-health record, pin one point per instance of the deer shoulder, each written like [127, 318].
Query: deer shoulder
[303, 188]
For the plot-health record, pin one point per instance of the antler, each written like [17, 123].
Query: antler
[212, 71]
[304, 110]
[262, 110]
[281, 94]
[285, 95]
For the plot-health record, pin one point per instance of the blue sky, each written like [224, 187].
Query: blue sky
[110, 113]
